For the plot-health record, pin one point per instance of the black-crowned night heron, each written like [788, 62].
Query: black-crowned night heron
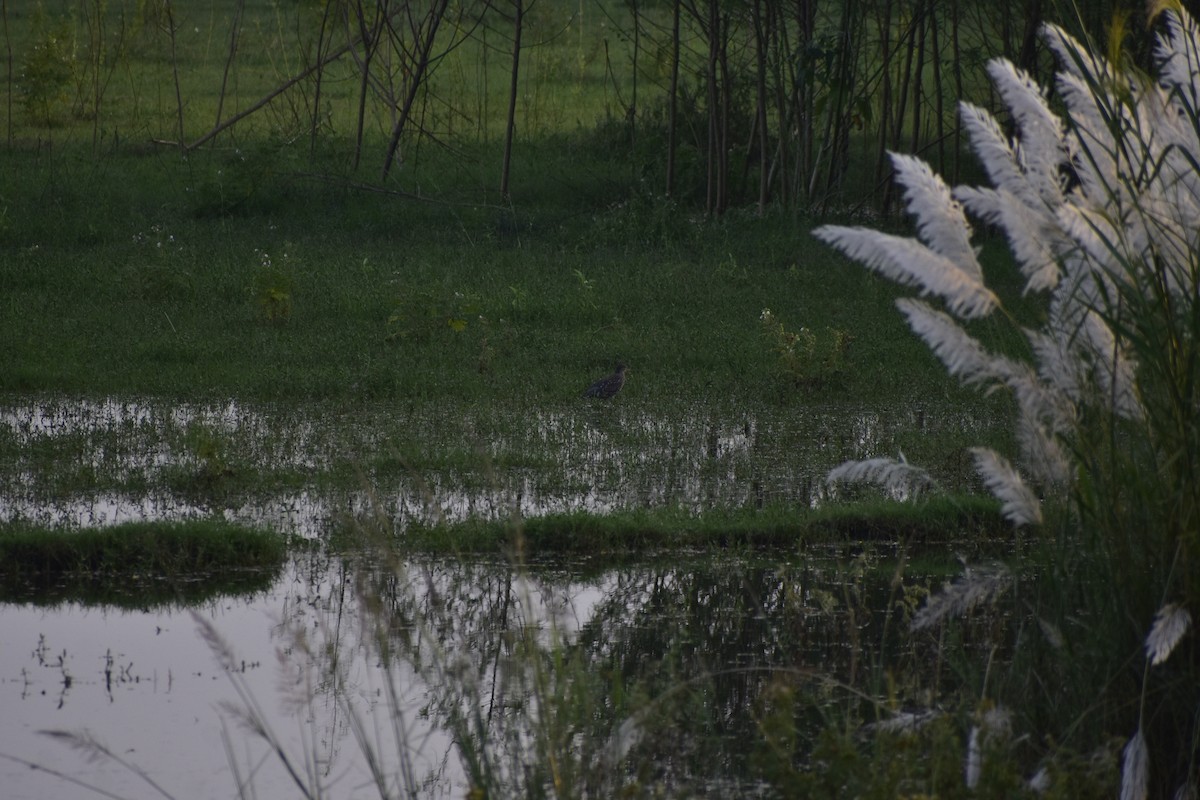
[607, 386]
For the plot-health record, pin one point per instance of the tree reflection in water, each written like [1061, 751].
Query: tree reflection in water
[568, 679]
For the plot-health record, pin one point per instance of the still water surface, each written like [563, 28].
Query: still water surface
[701, 637]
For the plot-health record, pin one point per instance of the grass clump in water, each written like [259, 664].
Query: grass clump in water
[638, 531]
[137, 563]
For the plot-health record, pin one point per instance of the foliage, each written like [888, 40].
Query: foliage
[808, 359]
[48, 67]
[273, 287]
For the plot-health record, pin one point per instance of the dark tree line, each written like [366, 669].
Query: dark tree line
[721, 102]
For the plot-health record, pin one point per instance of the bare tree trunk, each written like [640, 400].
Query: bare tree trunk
[711, 189]
[278, 90]
[234, 31]
[518, 22]
[885, 92]
[316, 109]
[370, 36]
[633, 104]
[805, 102]
[760, 55]
[779, 54]
[847, 64]
[958, 85]
[175, 69]
[918, 79]
[905, 79]
[8, 57]
[423, 47]
[1027, 58]
[672, 100]
[726, 94]
[939, 93]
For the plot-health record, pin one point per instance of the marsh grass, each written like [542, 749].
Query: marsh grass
[137, 564]
[968, 520]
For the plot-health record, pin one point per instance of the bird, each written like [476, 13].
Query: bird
[607, 386]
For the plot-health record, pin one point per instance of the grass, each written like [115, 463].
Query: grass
[116, 286]
[963, 519]
[138, 564]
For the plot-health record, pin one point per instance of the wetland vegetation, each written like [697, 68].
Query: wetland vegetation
[333, 277]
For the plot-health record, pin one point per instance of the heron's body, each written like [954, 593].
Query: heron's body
[607, 386]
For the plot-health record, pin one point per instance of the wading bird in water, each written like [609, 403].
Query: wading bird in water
[607, 386]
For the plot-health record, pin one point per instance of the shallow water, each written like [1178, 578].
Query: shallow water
[161, 694]
[296, 468]
[147, 685]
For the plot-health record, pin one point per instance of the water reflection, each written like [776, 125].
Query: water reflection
[649, 674]
[97, 462]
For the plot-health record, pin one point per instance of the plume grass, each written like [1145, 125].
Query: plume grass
[1101, 209]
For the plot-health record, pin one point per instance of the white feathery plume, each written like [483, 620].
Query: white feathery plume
[1030, 232]
[1094, 234]
[1089, 143]
[1042, 147]
[996, 154]
[902, 722]
[1171, 221]
[941, 224]
[1074, 58]
[960, 597]
[1113, 371]
[1170, 624]
[1040, 781]
[1041, 454]
[1135, 769]
[1059, 370]
[1036, 399]
[964, 357]
[911, 263]
[1018, 504]
[1178, 55]
[1185, 791]
[895, 475]
[974, 765]
[996, 722]
[1052, 633]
